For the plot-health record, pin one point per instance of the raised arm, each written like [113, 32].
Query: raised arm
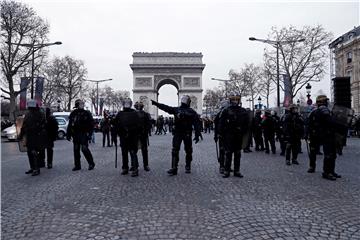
[165, 108]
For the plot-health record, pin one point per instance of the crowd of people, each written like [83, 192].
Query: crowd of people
[235, 129]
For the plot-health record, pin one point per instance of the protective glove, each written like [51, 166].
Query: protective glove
[216, 138]
[196, 139]
[68, 137]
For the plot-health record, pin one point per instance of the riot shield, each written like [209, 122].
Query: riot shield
[22, 143]
[342, 115]
[247, 130]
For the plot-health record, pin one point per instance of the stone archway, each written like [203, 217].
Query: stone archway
[153, 70]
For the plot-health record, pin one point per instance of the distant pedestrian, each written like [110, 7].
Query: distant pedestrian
[105, 129]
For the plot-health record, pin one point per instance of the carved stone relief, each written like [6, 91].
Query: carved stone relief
[191, 82]
[143, 82]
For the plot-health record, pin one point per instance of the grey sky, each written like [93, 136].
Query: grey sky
[105, 33]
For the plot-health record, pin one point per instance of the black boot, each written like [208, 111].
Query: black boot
[35, 173]
[135, 173]
[188, 168]
[222, 170]
[29, 171]
[172, 171]
[124, 171]
[226, 174]
[329, 176]
[238, 174]
[288, 162]
[311, 170]
[294, 161]
[146, 168]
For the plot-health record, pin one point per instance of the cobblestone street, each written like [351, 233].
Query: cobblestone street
[272, 201]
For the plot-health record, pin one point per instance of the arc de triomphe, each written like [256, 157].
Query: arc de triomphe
[153, 70]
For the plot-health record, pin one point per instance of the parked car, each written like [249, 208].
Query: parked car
[62, 114]
[63, 124]
[10, 133]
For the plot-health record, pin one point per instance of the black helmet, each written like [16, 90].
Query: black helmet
[139, 105]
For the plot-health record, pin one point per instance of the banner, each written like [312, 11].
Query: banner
[287, 90]
[24, 82]
[101, 105]
[39, 88]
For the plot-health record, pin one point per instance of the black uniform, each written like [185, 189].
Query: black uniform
[145, 121]
[268, 125]
[52, 131]
[257, 132]
[129, 129]
[80, 129]
[185, 118]
[105, 128]
[293, 128]
[321, 132]
[233, 125]
[34, 129]
[219, 137]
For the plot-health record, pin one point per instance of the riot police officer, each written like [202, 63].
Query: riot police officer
[129, 129]
[268, 125]
[34, 130]
[185, 118]
[233, 125]
[145, 121]
[293, 128]
[219, 139]
[321, 132]
[257, 131]
[80, 129]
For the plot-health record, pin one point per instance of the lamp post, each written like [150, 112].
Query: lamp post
[276, 44]
[97, 91]
[58, 106]
[259, 100]
[308, 91]
[34, 47]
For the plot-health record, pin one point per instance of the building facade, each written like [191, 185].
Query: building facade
[345, 62]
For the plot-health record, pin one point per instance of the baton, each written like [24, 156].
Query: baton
[307, 147]
[217, 151]
[116, 154]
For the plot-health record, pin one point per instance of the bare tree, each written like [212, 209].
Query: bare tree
[71, 81]
[266, 83]
[19, 25]
[303, 61]
[238, 82]
[212, 99]
[54, 73]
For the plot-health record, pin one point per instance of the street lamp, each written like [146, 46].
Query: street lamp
[276, 44]
[259, 100]
[97, 91]
[58, 106]
[308, 91]
[34, 47]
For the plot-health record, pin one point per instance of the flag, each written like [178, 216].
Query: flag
[24, 82]
[101, 105]
[287, 90]
[39, 88]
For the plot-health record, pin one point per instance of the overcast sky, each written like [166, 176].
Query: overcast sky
[105, 33]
